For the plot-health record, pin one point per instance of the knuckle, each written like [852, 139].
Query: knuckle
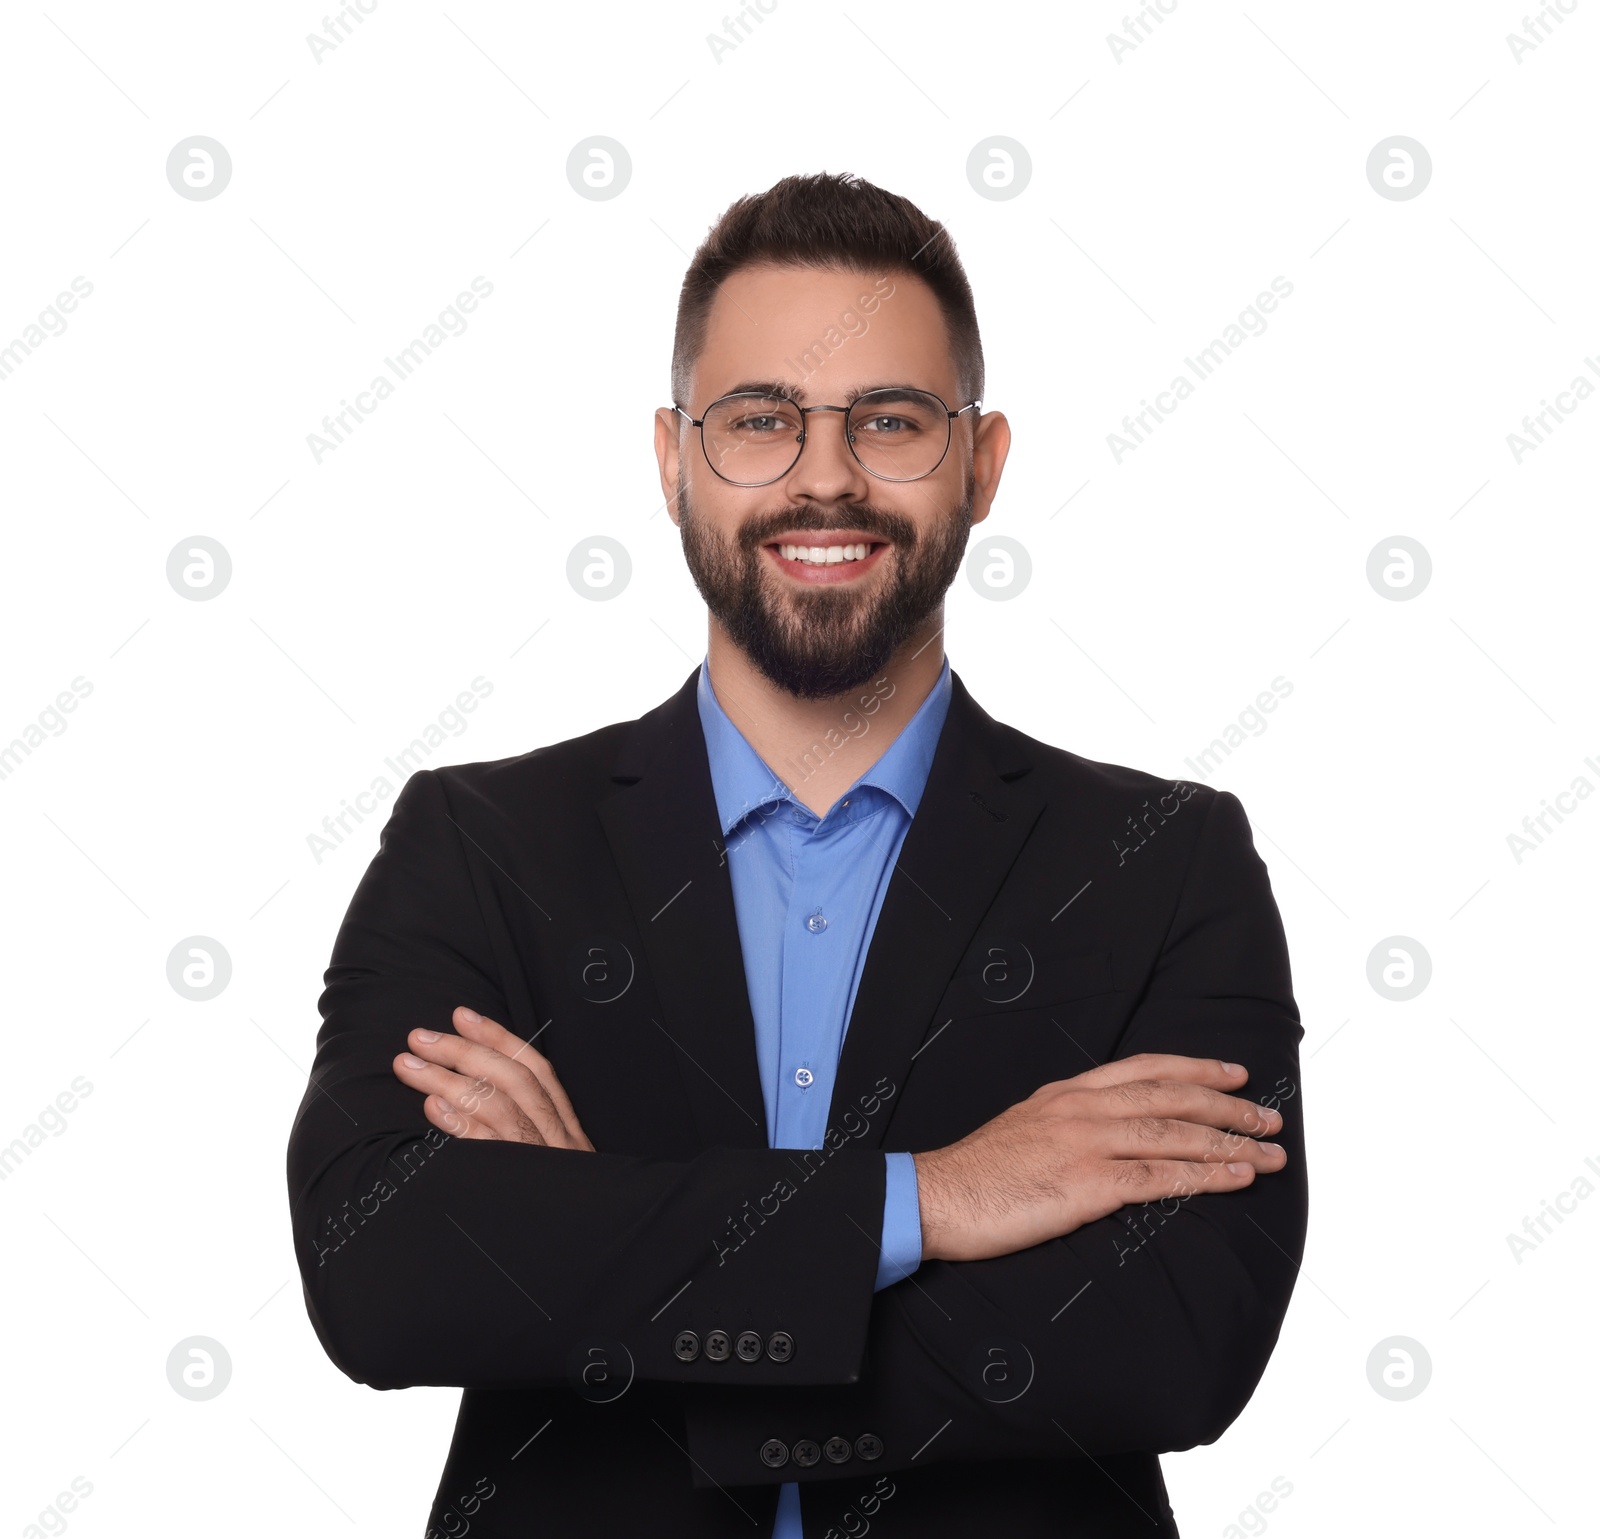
[1188, 1179]
[1152, 1130]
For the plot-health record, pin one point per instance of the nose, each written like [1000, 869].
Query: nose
[827, 470]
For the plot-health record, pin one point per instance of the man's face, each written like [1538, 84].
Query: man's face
[818, 629]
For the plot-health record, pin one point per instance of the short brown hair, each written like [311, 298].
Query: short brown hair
[832, 220]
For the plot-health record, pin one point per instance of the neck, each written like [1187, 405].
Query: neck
[819, 747]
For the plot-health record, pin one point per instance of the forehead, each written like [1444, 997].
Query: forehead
[821, 332]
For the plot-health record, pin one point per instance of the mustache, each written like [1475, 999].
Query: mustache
[891, 527]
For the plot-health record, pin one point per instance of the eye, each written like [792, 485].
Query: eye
[884, 423]
[761, 420]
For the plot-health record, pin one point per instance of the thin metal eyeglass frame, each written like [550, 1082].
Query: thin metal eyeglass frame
[800, 441]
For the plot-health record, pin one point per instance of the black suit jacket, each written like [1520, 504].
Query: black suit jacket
[652, 1337]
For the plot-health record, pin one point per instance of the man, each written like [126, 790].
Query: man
[905, 1168]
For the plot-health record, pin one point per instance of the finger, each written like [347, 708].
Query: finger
[484, 1029]
[458, 1124]
[517, 1081]
[477, 1098]
[1157, 1180]
[490, 1033]
[1170, 1138]
[1190, 1103]
[1215, 1073]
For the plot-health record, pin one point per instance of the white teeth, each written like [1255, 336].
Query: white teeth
[825, 555]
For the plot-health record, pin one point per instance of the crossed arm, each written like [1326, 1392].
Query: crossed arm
[1140, 1249]
[1152, 1128]
[1135, 1130]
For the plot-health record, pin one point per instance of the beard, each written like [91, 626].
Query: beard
[818, 643]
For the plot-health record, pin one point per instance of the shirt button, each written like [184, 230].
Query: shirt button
[816, 924]
[803, 1077]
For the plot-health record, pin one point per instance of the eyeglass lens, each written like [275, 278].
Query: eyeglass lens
[900, 435]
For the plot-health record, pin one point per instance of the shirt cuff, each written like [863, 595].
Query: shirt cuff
[902, 1222]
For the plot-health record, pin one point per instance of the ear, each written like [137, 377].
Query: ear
[668, 436]
[991, 443]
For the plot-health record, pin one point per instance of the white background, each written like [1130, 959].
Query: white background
[1169, 186]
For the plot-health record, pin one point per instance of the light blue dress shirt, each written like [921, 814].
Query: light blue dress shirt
[806, 893]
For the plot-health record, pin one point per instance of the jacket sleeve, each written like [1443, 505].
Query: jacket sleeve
[427, 1259]
[1147, 1330]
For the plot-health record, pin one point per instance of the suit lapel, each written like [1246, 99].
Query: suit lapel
[972, 822]
[666, 838]
[975, 815]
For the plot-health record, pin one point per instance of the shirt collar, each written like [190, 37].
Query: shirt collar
[742, 781]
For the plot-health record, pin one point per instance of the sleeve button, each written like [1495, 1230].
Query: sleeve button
[717, 1346]
[836, 1450]
[780, 1346]
[806, 1453]
[869, 1446]
[773, 1454]
[748, 1346]
[686, 1346]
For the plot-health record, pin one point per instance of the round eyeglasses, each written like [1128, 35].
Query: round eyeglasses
[895, 433]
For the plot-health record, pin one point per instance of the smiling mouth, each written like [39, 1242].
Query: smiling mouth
[835, 561]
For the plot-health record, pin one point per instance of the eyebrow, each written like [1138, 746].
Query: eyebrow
[797, 393]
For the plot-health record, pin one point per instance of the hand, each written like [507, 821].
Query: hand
[1134, 1130]
[489, 1083]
